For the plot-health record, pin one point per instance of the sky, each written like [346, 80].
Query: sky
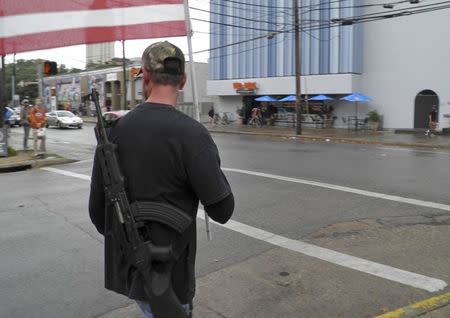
[74, 56]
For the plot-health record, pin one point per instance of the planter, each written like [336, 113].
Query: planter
[374, 125]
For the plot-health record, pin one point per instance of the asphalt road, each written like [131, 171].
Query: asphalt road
[384, 210]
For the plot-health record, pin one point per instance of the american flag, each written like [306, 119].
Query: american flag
[28, 25]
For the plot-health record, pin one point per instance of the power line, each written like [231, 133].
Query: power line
[331, 24]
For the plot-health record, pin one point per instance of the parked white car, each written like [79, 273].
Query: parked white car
[63, 119]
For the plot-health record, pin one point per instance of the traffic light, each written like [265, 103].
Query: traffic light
[50, 68]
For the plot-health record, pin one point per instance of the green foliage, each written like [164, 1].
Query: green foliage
[95, 66]
[12, 152]
[373, 116]
[26, 71]
[62, 69]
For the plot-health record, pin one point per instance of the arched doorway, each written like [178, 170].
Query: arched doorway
[423, 103]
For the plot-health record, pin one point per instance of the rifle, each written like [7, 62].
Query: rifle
[140, 253]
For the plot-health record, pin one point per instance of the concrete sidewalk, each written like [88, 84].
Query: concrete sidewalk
[339, 135]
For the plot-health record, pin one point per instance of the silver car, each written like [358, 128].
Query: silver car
[63, 119]
[14, 119]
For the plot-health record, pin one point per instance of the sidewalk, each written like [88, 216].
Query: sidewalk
[25, 160]
[338, 135]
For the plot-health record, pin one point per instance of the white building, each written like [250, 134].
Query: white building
[99, 53]
[400, 62]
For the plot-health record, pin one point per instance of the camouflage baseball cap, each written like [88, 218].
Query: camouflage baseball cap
[163, 57]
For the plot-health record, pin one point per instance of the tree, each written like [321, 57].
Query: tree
[26, 71]
[64, 70]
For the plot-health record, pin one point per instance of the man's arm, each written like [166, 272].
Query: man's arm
[221, 211]
[209, 183]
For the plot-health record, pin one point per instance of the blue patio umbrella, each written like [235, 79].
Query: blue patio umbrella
[290, 98]
[320, 97]
[266, 99]
[355, 98]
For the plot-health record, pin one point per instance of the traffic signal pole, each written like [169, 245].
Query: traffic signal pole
[40, 80]
[2, 92]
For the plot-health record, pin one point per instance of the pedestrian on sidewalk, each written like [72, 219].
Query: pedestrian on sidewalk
[167, 158]
[37, 122]
[432, 121]
[7, 113]
[24, 121]
[211, 115]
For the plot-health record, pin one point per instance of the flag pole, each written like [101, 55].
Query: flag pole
[192, 73]
[194, 87]
[124, 90]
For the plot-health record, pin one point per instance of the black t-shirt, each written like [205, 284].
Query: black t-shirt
[165, 156]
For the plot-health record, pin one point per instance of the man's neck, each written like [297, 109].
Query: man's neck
[163, 94]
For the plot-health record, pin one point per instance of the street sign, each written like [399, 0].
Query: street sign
[3, 142]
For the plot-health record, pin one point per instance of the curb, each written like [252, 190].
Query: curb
[34, 163]
[419, 308]
[334, 139]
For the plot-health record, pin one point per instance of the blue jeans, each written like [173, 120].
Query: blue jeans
[145, 307]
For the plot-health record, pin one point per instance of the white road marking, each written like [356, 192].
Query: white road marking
[82, 161]
[413, 150]
[378, 195]
[380, 270]
[68, 173]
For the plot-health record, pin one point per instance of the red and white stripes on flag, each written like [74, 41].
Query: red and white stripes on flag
[28, 25]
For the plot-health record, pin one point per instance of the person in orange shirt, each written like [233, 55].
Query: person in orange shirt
[37, 121]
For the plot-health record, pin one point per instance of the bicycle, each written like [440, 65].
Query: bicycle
[221, 119]
[255, 121]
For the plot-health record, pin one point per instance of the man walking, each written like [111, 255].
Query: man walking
[24, 121]
[166, 158]
[432, 121]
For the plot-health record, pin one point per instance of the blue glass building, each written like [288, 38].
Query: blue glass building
[325, 49]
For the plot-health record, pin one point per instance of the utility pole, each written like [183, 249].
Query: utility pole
[298, 99]
[124, 90]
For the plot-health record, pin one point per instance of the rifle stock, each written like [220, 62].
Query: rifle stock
[140, 254]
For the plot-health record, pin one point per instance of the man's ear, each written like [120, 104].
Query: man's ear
[183, 81]
[146, 76]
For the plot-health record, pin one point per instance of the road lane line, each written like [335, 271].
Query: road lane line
[427, 204]
[68, 173]
[380, 270]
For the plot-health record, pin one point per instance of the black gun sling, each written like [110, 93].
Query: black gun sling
[176, 222]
